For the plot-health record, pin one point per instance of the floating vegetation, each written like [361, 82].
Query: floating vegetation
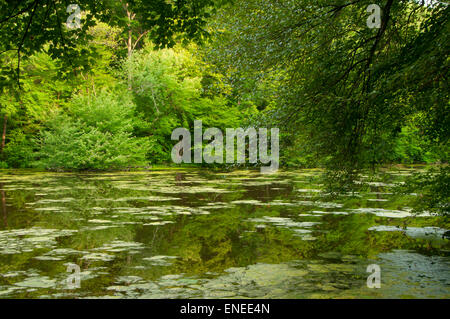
[328, 213]
[26, 240]
[170, 234]
[319, 204]
[56, 209]
[128, 279]
[120, 246]
[306, 190]
[147, 198]
[299, 228]
[99, 221]
[249, 202]
[59, 254]
[415, 232]
[160, 223]
[101, 227]
[37, 282]
[160, 260]
[98, 257]
[381, 212]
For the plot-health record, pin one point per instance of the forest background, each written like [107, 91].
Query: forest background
[345, 96]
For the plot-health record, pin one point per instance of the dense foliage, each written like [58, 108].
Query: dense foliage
[108, 94]
[350, 94]
[98, 135]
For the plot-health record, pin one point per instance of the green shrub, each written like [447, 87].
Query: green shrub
[412, 147]
[99, 135]
[19, 151]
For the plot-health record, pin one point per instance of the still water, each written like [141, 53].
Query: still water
[200, 234]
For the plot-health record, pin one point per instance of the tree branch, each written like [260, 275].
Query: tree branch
[19, 48]
[384, 23]
[139, 38]
[18, 13]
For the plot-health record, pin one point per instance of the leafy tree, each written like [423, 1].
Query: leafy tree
[346, 84]
[167, 88]
[26, 27]
[35, 26]
[42, 92]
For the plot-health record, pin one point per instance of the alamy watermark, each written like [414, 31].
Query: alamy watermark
[73, 280]
[74, 20]
[374, 20]
[213, 152]
[374, 279]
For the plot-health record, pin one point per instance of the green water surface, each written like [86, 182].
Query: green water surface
[188, 233]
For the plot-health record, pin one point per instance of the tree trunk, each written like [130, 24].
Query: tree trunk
[129, 42]
[130, 50]
[5, 120]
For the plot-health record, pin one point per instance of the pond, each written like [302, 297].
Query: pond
[192, 233]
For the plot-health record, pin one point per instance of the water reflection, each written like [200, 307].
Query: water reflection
[179, 178]
[4, 213]
[200, 234]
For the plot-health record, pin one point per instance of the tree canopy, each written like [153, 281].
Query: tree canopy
[346, 93]
[30, 26]
[347, 89]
